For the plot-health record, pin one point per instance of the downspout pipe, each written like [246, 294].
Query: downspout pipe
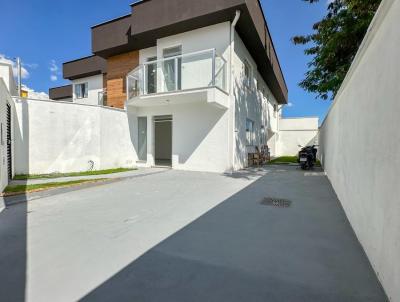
[231, 89]
[233, 26]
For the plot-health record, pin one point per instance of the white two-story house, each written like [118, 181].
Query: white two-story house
[199, 80]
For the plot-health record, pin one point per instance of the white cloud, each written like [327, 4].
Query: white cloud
[53, 66]
[32, 94]
[24, 71]
[290, 104]
[54, 71]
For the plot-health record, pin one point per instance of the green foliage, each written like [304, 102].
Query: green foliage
[58, 175]
[19, 189]
[284, 160]
[334, 43]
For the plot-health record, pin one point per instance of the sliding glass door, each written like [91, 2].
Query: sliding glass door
[172, 69]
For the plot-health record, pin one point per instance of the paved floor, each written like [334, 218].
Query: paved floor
[185, 236]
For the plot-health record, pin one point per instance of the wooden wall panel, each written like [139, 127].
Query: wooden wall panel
[117, 69]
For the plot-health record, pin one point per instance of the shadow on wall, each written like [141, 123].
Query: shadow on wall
[21, 138]
[198, 130]
[245, 99]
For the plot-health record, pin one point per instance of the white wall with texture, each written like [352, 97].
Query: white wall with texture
[360, 146]
[67, 137]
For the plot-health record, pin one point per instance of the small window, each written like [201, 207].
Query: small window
[247, 73]
[81, 91]
[275, 110]
[250, 134]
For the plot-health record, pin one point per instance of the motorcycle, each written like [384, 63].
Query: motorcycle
[307, 157]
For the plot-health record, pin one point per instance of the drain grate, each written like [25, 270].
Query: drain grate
[276, 202]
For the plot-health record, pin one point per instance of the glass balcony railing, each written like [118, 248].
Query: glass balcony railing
[196, 70]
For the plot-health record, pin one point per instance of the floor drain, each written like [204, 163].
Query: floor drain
[276, 202]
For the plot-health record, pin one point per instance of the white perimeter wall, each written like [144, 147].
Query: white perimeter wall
[67, 137]
[95, 85]
[297, 131]
[5, 99]
[360, 146]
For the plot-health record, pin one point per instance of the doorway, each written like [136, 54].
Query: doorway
[163, 140]
[9, 147]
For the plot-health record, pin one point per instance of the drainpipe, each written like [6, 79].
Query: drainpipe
[231, 88]
[19, 76]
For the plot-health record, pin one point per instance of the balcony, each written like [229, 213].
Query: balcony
[193, 77]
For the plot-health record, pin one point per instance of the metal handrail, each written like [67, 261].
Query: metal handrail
[211, 50]
[139, 72]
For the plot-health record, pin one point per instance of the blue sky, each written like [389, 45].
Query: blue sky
[47, 33]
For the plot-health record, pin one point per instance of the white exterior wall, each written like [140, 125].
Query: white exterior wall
[254, 104]
[200, 132]
[95, 86]
[7, 84]
[199, 135]
[66, 137]
[360, 146]
[5, 98]
[6, 72]
[223, 139]
[297, 131]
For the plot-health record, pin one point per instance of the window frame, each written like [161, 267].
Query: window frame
[81, 95]
[248, 78]
[250, 133]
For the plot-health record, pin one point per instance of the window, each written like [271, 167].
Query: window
[151, 75]
[247, 73]
[250, 135]
[275, 110]
[172, 69]
[81, 91]
[263, 139]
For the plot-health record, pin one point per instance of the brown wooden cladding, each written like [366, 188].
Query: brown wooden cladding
[117, 69]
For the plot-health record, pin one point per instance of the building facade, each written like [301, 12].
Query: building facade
[200, 81]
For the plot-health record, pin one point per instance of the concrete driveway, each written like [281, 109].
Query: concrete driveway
[186, 236]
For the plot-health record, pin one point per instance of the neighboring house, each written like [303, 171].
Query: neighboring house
[200, 80]
[7, 113]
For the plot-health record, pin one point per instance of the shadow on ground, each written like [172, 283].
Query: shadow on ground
[13, 243]
[244, 251]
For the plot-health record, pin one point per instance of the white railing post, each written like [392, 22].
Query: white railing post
[176, 74]
[145, 79]
[213, 67]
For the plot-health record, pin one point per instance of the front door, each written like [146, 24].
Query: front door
[163, 140]
[142, 138]
[9, 147]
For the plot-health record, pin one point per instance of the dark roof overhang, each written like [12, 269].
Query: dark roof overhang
[59, 93]
[145, 25]
[84, 67]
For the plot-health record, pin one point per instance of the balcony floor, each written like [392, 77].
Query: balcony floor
[210, 95]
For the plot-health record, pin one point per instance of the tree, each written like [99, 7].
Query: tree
[334, 43]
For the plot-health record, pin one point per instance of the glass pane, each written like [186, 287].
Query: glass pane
[220, 73]
[197, 70]
[151, 77]
[172, 69]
